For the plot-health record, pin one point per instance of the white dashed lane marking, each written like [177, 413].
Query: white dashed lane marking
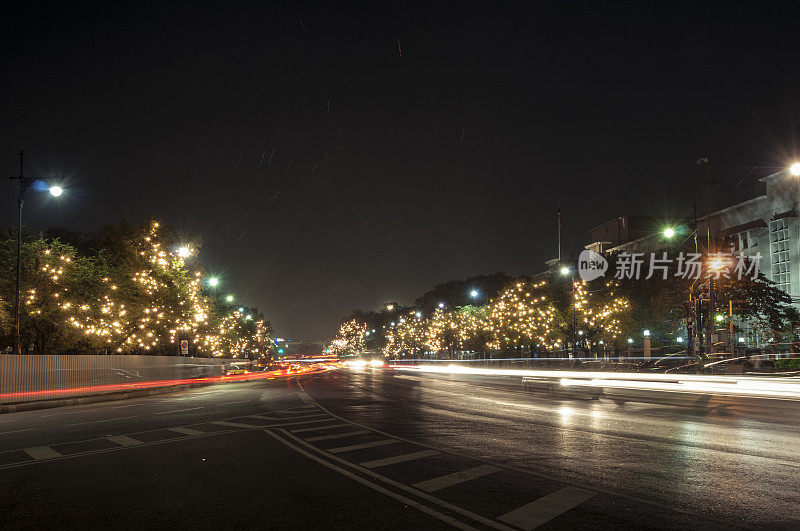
[319, 428]
[42, 452]
[187, 431]
[124, 440]
[546, 508]
[335, 436]
[455, 478]
[399, 459]
[362, 446]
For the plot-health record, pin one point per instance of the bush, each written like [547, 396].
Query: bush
[788, 364]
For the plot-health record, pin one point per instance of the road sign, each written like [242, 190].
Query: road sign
[184, 347]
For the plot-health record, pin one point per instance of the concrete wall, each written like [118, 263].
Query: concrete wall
[40, 377]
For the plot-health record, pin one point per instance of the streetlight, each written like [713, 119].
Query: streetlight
[229, 298]
[24, 183]
[184, 251]
[646, 333]
[474, 293]
[213, 282]
[441, 305]
[794, 169]
[564, 270]
[669, 232]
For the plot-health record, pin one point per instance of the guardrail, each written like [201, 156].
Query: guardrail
[25, 378]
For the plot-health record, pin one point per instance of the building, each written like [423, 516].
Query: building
[768, 224]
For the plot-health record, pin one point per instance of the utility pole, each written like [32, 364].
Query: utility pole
[24, 183]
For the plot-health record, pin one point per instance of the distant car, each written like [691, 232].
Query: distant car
[235, 369]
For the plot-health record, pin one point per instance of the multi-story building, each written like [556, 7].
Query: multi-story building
[768, 225]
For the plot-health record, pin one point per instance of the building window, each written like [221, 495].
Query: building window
[779, 247]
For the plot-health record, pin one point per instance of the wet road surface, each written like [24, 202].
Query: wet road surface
[382, 449]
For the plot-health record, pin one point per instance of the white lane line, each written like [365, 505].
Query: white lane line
[546, 508]
[337, 435]
[313, 415]
[319, 428]
[455, 478]
[124, 440]
[300, 422]
[263, 417]
[16, 431]
[305, 397]
[398, 459]
[402, 499]
[296, 411]
[229, 403]
[354, 447]
[235, 424]
[104, 420]
[187, 431]
[42, 452]
[179, 410]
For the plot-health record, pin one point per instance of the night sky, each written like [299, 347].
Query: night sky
[335, 156]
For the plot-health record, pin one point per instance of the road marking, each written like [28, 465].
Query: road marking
[315, 415]
[361, 446]
[229, 403]
[398, 459]
[296, 411]
[42, 452]
[455, 478]
[546, 508]
[402, 499]
[416, 492]
[305, 397]
[104, 420]
[235, 424]
[318, 428]
[124, 440]
[301, 422]
[179, 410]
[16, 431]
[335, 436]
[263, 417]
[187, 431]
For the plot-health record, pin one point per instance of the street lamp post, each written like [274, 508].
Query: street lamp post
[24, 183]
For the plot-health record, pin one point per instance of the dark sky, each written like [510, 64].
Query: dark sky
[341, 155]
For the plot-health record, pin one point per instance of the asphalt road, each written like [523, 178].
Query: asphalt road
[379, 449]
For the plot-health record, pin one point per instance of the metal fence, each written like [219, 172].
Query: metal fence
[27, 378]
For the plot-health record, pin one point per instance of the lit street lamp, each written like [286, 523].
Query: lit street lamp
[794, 169]
[24, 183]
[229, 298]
[213, 282]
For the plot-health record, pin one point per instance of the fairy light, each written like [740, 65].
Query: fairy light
[161, 302]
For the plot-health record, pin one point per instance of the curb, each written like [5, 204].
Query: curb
[91, 399]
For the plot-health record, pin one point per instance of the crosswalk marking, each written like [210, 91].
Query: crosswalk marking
[42, 452]
[315, 415]
[303, 422]
[361, 446]
[455, 478]
[187, 431]
[318, 428]
[546, 508]
[234, 424]
[336, 435]
[398, 459]
[123, 440]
